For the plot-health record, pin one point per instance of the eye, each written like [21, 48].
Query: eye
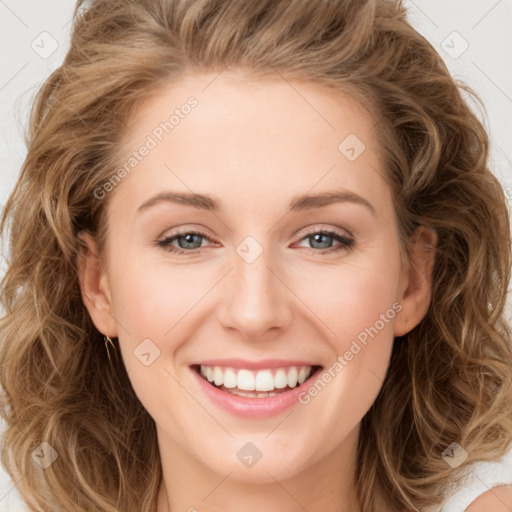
[190, 241]
[190, 244]
[323, 238]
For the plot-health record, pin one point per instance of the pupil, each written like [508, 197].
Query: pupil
[189, 239]
[318, 237]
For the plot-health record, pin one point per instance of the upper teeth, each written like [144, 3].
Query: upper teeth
[261, 380]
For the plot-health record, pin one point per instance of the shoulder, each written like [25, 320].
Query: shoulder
[497, 499]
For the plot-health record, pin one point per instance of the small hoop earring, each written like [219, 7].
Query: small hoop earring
[108, 341]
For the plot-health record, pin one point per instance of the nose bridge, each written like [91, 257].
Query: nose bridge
[254, 299]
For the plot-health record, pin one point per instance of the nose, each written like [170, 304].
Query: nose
[255, 299]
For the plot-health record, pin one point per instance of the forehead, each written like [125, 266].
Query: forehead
[250, 135]
[234, 99]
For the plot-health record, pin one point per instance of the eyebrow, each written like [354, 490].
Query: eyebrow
[298, 203]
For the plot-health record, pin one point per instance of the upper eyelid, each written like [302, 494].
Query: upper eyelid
[309, 232]
[334, 232]
[313, 229]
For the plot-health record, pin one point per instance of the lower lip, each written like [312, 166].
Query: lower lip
[252, 407]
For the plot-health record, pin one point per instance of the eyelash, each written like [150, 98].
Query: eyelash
[345, 242]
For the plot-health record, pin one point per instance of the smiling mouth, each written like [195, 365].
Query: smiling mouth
[263, 383]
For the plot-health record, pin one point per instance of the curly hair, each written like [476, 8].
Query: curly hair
[450, 380]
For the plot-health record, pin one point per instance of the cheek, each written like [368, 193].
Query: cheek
[366, 308]
[150, 299]
[363, 315]
[151, 305]
[357, 296]
[360, 317]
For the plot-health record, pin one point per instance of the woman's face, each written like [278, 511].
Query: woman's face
[258, 297]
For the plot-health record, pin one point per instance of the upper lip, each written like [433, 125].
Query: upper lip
[255, 365]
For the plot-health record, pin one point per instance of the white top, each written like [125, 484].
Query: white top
[481, 477]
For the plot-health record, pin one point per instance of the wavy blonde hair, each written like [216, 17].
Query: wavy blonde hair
[450, 379]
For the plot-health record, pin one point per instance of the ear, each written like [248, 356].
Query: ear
[94, 286]
[415, 287]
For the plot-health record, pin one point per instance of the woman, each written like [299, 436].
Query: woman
[279, 218]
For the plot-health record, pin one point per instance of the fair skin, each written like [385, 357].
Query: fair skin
[498, 499]
[253, 146]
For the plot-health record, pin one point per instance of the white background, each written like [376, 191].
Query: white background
[484, 26]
